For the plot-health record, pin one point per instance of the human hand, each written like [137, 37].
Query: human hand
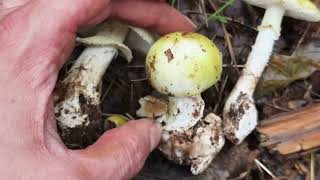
[36, 37]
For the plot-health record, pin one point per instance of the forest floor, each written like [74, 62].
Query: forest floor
[234, 30]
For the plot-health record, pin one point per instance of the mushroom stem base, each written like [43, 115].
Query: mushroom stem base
[240, 114]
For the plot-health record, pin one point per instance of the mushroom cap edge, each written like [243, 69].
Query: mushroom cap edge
[298, 9]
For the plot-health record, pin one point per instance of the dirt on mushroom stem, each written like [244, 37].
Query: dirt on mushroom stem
[123, 94]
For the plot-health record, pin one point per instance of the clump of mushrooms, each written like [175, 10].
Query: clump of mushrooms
[240, 114]
[77, 97]
[182, 65]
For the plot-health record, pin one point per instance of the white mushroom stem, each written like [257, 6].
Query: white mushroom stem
[78, 99]
[84, 77]
[178, 114]
[240, 114]
[187, 138]
[183, 113]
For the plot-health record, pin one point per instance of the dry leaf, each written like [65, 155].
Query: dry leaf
[283, 70]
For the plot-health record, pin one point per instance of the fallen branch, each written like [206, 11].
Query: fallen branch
[292, 132]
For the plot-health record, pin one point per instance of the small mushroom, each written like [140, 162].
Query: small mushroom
[240, 113]
[77, 97]
[183, 65]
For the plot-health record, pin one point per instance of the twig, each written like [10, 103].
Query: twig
[232, 65]
[215, 109]
[131, 105]
[312, 167]
[302, 39]
[136, 66]
[226, 34]
[230, 46]
[261, 172]
[226, 18]
[121, 87]
[203, 10]
[265, 169]
[311, 91]
[107, 90]
[216, 15]
[241, 176]
[278, 107]
[129, 116]
[138, 80]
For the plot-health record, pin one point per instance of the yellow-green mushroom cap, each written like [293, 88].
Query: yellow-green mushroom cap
[183, 64]
[299, 9]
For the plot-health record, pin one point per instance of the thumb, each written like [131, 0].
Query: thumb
[120, 153]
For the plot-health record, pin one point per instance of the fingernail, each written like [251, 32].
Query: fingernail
[190, 22]
[155, 134]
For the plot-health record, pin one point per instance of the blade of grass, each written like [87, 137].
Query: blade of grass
[216, 15]
[173, 2]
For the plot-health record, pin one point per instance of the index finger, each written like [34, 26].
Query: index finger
[150, 14]
[153, 14]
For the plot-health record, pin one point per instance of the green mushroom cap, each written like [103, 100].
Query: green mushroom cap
[183, 64]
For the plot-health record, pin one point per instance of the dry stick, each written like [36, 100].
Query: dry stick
[311, 91]
[136, 66]
[203, 9]
[227, 39]
[233, 66]
[318, 174]
[259, 164]
[293, 132]
[275, 106]
[108, 90]
[229, 44]
[139, 80]
[261, 172]
[215, 109]
[131, 96]
[227, 18]
[312, 166]
[302, 38]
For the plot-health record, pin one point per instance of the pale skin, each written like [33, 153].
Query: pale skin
[36, 38]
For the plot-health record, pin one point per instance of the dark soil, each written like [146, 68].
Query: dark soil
[125, 83]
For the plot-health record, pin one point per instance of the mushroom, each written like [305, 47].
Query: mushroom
[240, 113]
[182, 65]
[77, 97]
